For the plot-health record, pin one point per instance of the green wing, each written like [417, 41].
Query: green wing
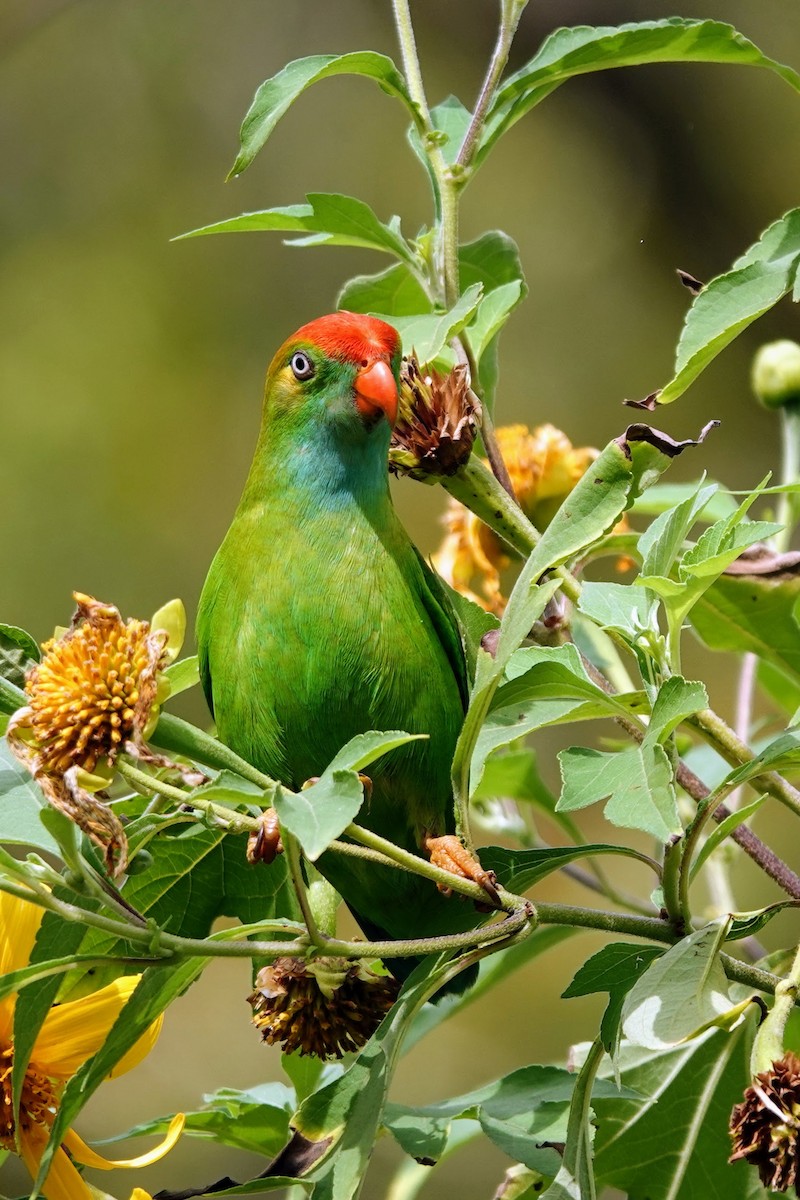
[440, 611]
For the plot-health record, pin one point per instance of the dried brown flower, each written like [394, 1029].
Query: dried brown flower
[437, 423]
[325, 1007]
[765, 1125]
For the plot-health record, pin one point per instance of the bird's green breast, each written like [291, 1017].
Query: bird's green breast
[315, 624]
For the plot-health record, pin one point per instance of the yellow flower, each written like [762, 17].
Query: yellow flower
[71, 1033]
[544, 467]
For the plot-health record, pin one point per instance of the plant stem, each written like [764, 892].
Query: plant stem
[422, 866]
[445, 192]
[180, 737]
[510, 17]
[768, 1046]
[291, 850]
[788, 502]
[720, 735]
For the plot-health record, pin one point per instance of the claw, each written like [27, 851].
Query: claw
[451, 855]
[264, 845]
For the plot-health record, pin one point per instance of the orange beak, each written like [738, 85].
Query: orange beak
[376, 391]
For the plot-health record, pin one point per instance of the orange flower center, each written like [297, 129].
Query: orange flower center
[38, 1102]
[84, 694]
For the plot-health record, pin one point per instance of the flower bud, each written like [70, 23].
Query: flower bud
[776, 374]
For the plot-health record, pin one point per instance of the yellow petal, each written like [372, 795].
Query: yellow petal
[90, 1158]
[139, 1050]
[74, 1031]
[19, 924]
[63, 1181]
[140, 1194]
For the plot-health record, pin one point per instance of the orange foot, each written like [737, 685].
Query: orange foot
[451, 855]
[264, 845]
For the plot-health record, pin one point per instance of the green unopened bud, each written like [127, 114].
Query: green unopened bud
[776, 374]
[172, 619]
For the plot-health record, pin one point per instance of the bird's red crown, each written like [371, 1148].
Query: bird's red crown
[350, 336]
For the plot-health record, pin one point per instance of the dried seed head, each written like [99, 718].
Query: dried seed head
[325, 1007]
[94, 688]
[437, 422]
[765, 1125]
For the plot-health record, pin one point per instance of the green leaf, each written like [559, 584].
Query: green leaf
[518, 870]
[674, 1144]
[783, 752]
[21, 804]
[547, 686]
[327, 219]
[638, 781]
[731, 302]
[577, 51]
[717, 547]
[492, 260]
[663, 496]
[662, 541]
[318, 815]
[677, 699]
[256, 1119]
[275, 95]
[198, 874]
[11, 697]
[752, 613]
[426, 334]
[749, 924]
[493, 312]
[363, 749]
[626, 466]
[19, 651]
[614, 969]
[681, 993]
[621, 607]
[575, 1177]
[515, 775]
[518, 1113]
[395, 291]
[725, 829]
[183, 675]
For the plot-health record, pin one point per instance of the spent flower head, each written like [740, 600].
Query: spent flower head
[438, 418]
[97, 689]
[71, 1033]
[325, 1007]
[766, 1124]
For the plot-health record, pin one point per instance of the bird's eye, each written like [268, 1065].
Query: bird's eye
[302, 366]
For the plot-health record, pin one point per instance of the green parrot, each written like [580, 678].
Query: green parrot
[319, 620]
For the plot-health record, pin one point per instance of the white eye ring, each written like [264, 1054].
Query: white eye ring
[302, 366]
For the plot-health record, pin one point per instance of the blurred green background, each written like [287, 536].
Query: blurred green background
[131, 368]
